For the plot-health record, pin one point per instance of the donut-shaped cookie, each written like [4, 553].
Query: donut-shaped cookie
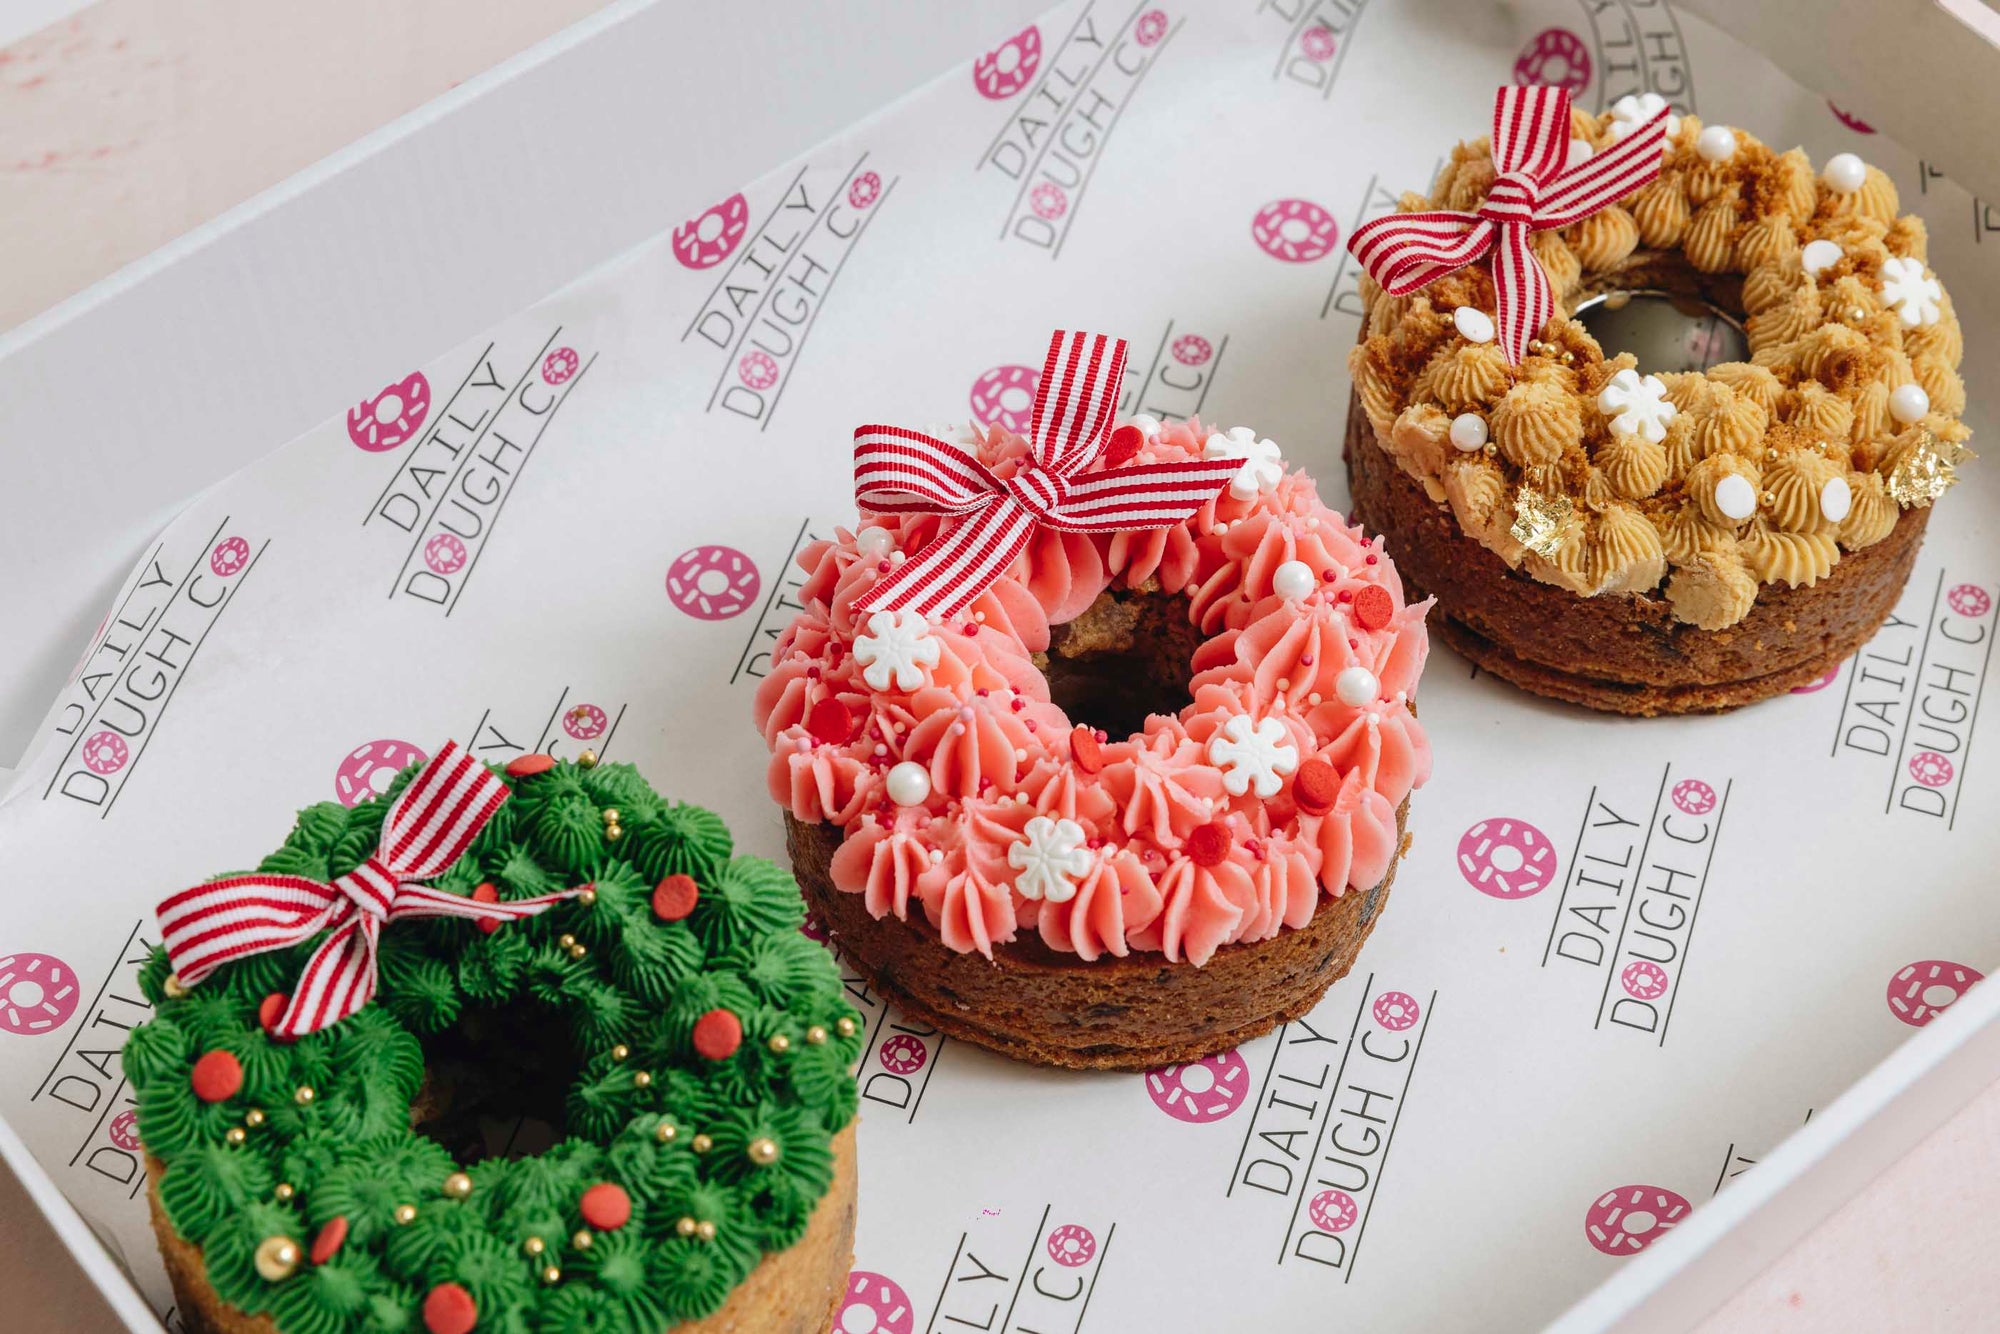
[1183, 745]
[1611, 526]
[347, 1179]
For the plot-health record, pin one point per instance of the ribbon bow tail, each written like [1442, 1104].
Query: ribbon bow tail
[337, 980]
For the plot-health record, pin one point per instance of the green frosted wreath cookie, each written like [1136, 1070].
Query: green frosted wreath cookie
[654, 1002]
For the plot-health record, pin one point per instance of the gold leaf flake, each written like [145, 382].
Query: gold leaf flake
[1926, 471]
[1539, 520]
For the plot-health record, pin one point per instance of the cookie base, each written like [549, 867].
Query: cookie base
[1038, 1005]
[1619, 652]
[794, 1291]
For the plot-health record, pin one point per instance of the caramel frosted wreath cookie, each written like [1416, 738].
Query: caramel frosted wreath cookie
[1095, 746]
[346, 1042]
[1720, 518]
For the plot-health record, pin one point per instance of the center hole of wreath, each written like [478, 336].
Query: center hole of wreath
[1666, 331]
[1128, 655]
[496, 1081]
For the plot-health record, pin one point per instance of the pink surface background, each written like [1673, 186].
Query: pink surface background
[128, 123]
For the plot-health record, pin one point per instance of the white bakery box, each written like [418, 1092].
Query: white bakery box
[126, 375]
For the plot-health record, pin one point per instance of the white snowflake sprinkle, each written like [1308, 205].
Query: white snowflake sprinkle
[1051, 858]
[1914, 295]
[898, 646]
[1631, 111]
[1263, 465]
[1253, 757]
[1635, 406]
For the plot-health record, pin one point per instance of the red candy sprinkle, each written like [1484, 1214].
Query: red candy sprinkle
[1208, 844]
[1124, 443]
[329, 1238]
[449, 1309]
[1373, 607]
[675, 897]
[484, 892]
[270, 1010]
[718, 1034]
[1084, 750]
[217, 1075]
[1315, 787]
[830, 722]
[527, 766]
[606, 1206]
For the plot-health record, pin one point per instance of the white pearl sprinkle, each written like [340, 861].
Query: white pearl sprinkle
[1909, 403]
[1715, 143]
[1819, 255]
[937, 856]
[1735, 497]
[1356, 686]
[1468, 431]
[1474, 325]
[1313, 698]
[874, 542]
[1836, 498]
[1293, 580]
[1844, 173]
[909, 783]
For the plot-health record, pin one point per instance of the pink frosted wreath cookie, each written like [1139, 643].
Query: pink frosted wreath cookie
[1094, 745]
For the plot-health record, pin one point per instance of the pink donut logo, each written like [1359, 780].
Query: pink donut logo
[1556, 57]
[1628, 1220]
[1396, 1010]
[1297, 231]
[1072, 1245]
[381, 423]
[1969, 600]
[1644, 979]
[1008, 67]
[757, 369]
[585, 722]
[1693, 797]
[1930, 768]
[1048, 200]
[105, 752]
[1192, 349]
[1005, 397]
[229, 556]
[1506, 859]
[1852, 122]
[124, 1130]
[874, 1304]
[1927, 988]
[1150, 28]
[1333, 1211]
[1318, 44]
[1200, 1091]
[705, 241]
[1821, 683]
[865, 190]
[445, 554]
[368, 770]
[903, 1054]
[38, 993]
[559, 365]
[712, 583]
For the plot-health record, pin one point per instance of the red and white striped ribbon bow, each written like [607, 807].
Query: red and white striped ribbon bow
[899, 471]
[428, 827]
[1532, 192]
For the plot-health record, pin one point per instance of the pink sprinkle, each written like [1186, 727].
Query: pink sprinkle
[881, 567]
[812, 673]
[1329, 576]
[1305, 659]
[1346, 595]
[1371, 558]
[970, 629]
[1019, 704]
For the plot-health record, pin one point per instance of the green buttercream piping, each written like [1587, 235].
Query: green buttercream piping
[626, 978]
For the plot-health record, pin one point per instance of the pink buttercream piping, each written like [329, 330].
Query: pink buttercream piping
[997, 752]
